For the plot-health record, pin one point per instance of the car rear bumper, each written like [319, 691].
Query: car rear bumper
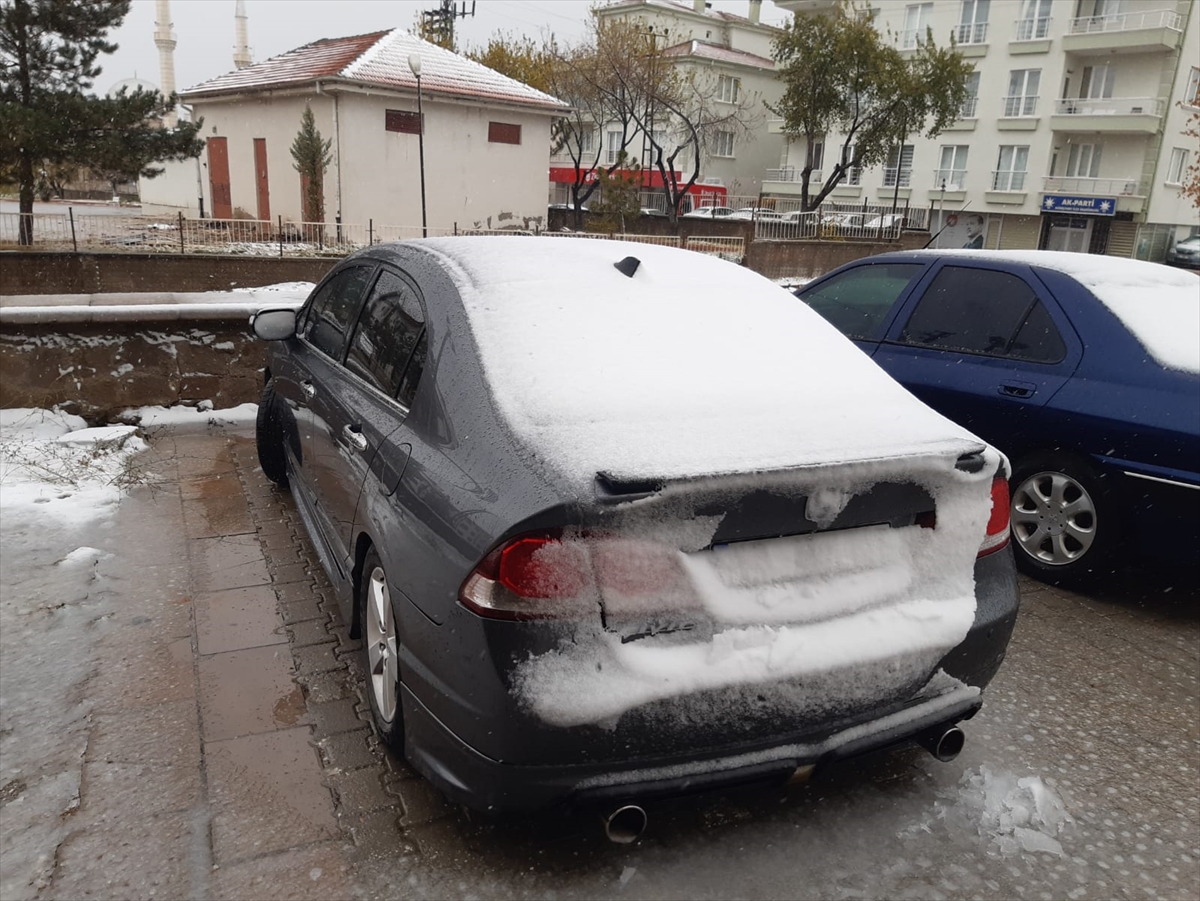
[482, 782]
[468, 777]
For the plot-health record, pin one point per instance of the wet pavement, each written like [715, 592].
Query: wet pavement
[221, 749]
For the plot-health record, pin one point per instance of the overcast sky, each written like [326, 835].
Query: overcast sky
[204, 29]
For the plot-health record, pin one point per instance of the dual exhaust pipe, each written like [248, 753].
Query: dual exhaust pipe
[625, 824]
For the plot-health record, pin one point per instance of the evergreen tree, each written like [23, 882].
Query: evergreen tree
[312, 157]
[48, 53]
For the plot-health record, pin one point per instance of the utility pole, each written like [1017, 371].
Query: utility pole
[437, 25]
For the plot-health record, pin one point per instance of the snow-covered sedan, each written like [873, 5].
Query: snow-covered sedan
[616, 520]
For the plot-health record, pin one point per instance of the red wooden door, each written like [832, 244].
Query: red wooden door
[218, 178]
[260, 179]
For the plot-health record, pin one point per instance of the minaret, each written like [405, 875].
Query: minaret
[164, 40]
[241, 50]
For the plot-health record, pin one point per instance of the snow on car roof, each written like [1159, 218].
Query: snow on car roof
[693, 366]
[1159, 305]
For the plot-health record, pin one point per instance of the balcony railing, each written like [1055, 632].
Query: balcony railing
[968, 108]
[975, 33]
[953, 179]
[1008, 180]
[1110, 106]
[1130, 21]
[1031, 29]
[794, 175]
[1056, 184]
[1019, 105]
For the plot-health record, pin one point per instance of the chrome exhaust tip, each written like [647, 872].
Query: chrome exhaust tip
[625, 824]
[945, 742]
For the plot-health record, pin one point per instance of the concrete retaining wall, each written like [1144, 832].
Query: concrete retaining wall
[24, 272]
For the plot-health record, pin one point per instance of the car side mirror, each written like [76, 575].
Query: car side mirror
[274, 325]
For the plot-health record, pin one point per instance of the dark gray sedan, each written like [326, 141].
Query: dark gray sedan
[617, 521]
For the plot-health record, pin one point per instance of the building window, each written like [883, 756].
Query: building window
[916, 21]
[898, 176]
[613, 145]
[728, 89]
[1191, 96]
[504, 133]
[722, 143]
[401, 121]
[1178, 166]
[1097, 82]
[1034, 23]
[952, 170]
[1022, 96]
[973, 26]
[971, 103]
[1084, 161]
[587, 140]
[1010, 168]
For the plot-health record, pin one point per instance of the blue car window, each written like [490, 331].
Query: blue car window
[387, 333]
[974, 310]
[333, 307]
[857, 301]
[1038, 339]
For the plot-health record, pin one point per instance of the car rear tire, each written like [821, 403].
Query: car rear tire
[381, 652]
[1065, 526]
[269, 437]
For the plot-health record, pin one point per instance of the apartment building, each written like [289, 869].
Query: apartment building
[1072, 138]
[729, 54]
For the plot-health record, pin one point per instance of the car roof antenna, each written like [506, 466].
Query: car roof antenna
[628, 266]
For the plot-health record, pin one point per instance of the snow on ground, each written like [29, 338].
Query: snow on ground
[1019, 814]
[181, 417]
[60, 483]
[51, 463]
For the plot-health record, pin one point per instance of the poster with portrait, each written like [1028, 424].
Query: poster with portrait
[963, 228]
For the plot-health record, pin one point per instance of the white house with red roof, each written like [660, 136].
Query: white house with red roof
[487, 136]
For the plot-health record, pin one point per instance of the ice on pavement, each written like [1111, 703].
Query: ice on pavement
[1016, 814]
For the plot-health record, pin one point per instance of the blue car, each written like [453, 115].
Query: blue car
[1084, 370]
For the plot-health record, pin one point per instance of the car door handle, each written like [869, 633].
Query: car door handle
[309, 389]
[1017, 389]
[354, 435]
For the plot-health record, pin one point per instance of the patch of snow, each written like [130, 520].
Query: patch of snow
[1015, 813]
[200, 416]
[693, 366]
[76, 474]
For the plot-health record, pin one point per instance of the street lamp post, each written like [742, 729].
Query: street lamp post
[414, 63]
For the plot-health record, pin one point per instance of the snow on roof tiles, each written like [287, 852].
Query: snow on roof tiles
[381, 59]
[719, 54]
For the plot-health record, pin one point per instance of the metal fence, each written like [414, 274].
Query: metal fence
[179, 234]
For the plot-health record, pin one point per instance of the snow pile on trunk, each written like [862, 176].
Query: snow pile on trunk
[1016, 813]
[52, 460]
[830, 621]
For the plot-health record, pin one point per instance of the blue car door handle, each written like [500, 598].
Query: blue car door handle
[1017, 389]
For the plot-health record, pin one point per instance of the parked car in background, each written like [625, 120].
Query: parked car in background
[1085, 370]
[1185, 253]
[709, 212]
[751, 212]
[605, 537]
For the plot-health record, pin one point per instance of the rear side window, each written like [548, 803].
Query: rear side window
[983, 311]
[333, 307]
[386, 336]
[858, 301]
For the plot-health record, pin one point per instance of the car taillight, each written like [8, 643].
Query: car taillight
[997, 527]
[555, 575]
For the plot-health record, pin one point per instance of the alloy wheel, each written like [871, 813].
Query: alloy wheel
[1053, 518]
[381, 644]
